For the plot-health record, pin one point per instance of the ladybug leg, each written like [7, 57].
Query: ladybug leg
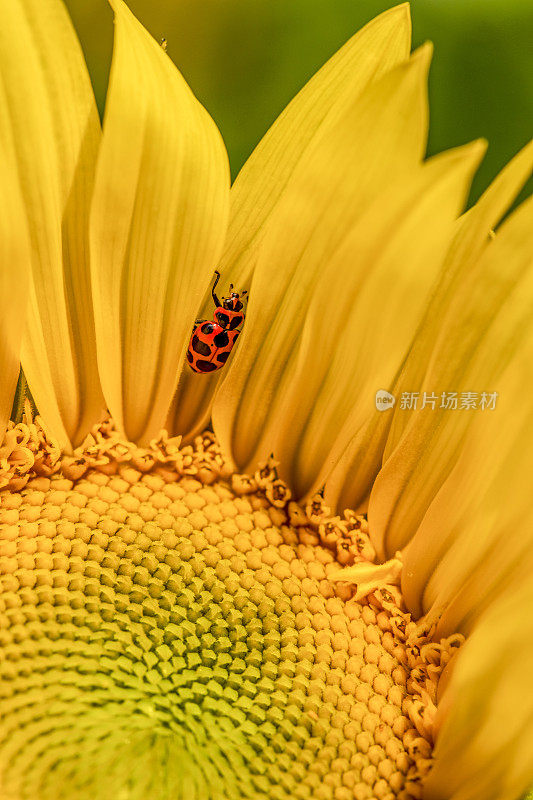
[216, 301]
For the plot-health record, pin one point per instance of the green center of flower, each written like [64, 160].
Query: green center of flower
[164, 636]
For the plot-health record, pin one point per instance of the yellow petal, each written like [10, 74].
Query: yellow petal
[485, 716]
[51, 118]
[476, 538]
[312, 114]
[431, 440]
[367, 577]
[348, 349]
[486, 214]
[378, 141]
[14, 279]
[472, 237]
[375, 331]
[158, 222]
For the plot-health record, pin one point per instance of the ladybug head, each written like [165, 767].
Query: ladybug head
[228, 313]
[233, 301]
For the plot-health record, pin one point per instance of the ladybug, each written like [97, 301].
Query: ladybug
[212, 340]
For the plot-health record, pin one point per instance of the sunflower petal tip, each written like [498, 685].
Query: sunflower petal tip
[420, 60]
[526, 152]
[481, 145]
[402, 10]
[424, 52]
[119, 6]
[475, 150]
[393, 24]
[403, 14]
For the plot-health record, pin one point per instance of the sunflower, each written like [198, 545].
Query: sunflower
[306, 574]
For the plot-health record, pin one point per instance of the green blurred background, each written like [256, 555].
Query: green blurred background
[245, 59]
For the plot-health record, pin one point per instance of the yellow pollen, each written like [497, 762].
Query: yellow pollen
[169, 630]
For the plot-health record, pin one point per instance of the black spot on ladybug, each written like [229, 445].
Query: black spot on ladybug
[200, 347]
[223, 356]
[189, 357]
[223, 319]
[235, 322]
[207, 327]
[221, 339]
[205, 366]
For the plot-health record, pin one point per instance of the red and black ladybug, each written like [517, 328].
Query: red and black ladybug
[212, 341]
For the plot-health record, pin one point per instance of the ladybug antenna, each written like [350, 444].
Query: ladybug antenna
[245, 292]
[216, 301]
[230, 287]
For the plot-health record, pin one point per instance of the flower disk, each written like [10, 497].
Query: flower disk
[169, 638]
